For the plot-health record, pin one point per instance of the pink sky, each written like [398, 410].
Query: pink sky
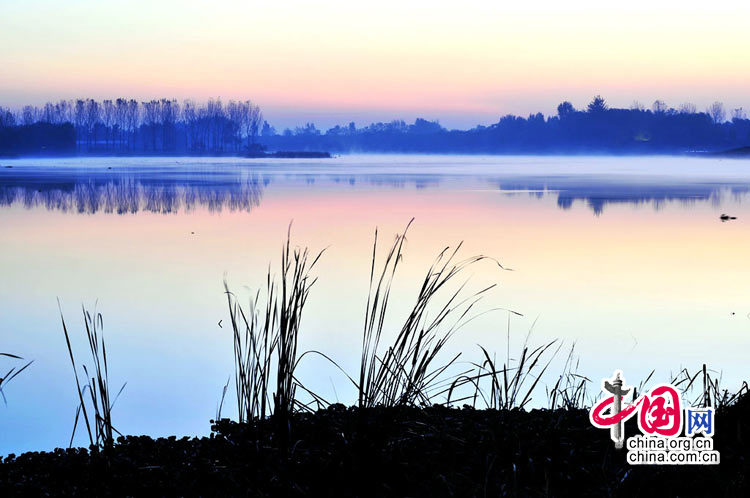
[333, 62]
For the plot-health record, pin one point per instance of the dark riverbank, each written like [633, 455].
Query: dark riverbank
[739, 153]
[287, 154]
[387, 452]
[281, 154]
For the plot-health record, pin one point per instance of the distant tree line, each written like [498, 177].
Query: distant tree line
[37, 138]
[597, 128]
[126, 126]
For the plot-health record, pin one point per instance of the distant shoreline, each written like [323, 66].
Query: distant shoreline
[286, 154]
[268, 155]
[739, 153]
[158, 127]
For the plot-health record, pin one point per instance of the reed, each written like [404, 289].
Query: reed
[570, 389]
[11, 374]
[296, 283]
[267, 336]
[510, 386]
[95, 398]
[255, 338]
[406, 372]
[703, 388]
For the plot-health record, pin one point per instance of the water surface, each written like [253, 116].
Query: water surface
[627, 257]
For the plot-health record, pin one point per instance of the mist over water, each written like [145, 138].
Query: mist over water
[625, 256]
[130, 185]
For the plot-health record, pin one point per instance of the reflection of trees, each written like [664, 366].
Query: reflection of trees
[597, 194]
[129, 195]
[402, 181]
[166, 190]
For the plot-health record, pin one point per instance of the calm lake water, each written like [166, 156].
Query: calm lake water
[626, 257]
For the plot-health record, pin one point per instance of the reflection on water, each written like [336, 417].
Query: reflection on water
[598, 193]
[128, 196]
[127, 193]
[239, 186]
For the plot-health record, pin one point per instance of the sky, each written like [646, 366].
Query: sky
[463, 63]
